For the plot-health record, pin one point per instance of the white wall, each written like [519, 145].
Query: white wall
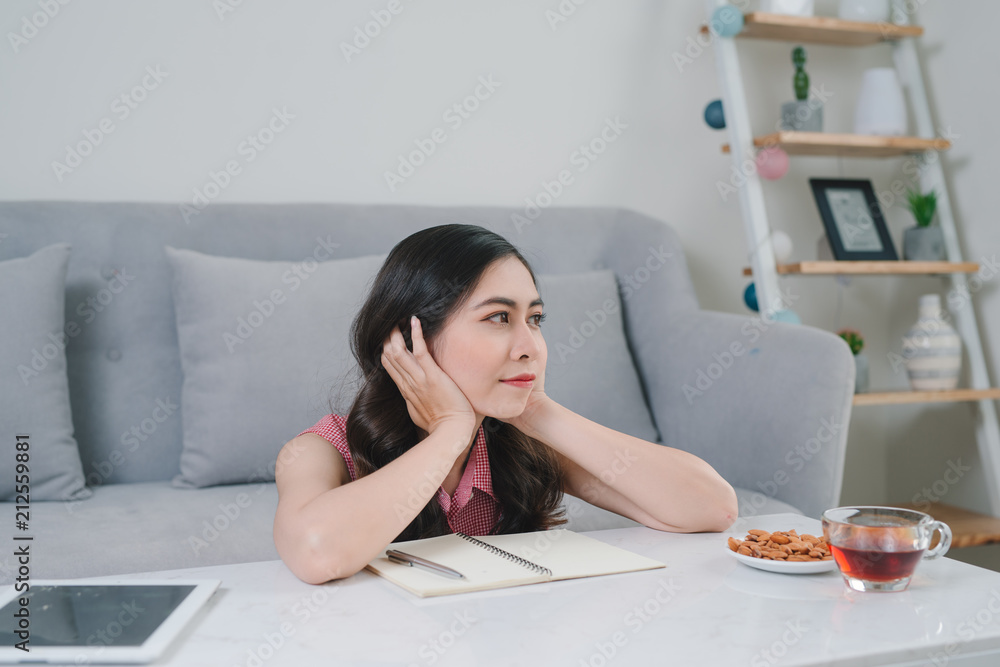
[225, 74]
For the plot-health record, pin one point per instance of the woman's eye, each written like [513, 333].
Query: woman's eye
[504, 318]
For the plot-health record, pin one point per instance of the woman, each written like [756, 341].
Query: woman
[451, 429]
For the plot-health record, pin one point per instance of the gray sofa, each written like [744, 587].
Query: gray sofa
[767, 404]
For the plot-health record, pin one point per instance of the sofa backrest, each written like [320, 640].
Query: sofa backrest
[123, 361]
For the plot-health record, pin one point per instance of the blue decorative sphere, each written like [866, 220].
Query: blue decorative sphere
[787, 316]
[714, 116]
[727, 21]
[750, 297]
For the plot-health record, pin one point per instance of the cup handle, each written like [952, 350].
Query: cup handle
[943, 545]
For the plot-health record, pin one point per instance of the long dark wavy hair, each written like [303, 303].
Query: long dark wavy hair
[431, 274]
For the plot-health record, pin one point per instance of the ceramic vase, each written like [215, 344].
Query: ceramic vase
[860, 373]
[881, 107]
[932, 349]
[864, 10]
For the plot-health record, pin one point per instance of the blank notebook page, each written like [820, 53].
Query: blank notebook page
[569, 555]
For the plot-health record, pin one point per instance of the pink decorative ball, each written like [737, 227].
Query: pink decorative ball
[772, 163]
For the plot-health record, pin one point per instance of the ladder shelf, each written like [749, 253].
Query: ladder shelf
[743, 145]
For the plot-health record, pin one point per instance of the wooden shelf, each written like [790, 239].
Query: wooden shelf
[846, 145]
[903, 397]
[821, 30]
[901, 267]
[969, 529]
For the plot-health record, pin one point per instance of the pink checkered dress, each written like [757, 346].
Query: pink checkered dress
[473, 509]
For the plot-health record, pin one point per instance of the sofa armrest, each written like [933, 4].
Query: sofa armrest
[767, 404]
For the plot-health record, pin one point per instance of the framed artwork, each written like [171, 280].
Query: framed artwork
[853, 220]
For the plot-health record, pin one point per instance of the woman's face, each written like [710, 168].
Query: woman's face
[494, 336]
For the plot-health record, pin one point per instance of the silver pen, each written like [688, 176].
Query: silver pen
[408, 559]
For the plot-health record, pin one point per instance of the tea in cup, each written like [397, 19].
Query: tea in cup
[878, 548]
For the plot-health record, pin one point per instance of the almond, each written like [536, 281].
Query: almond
[780, 539]
[744, 550]
[734, 543]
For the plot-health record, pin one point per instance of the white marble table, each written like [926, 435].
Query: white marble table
[704, 608]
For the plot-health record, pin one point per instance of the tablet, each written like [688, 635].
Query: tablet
[82, 621]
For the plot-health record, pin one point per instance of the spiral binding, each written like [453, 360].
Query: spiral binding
[535, 567]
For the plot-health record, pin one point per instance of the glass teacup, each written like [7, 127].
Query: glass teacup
[878, 548]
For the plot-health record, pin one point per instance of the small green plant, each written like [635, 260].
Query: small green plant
[853, 339]
[922, 206]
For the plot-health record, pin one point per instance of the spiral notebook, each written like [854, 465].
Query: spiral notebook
[501, 561]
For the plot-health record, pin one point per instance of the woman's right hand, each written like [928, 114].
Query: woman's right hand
[432, 397]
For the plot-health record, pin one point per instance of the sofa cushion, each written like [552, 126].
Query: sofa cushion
[590, 368]
[262, 342]
[262, 345]
[34, 390]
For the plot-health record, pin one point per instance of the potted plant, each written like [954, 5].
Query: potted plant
[923, 242]
[854, 340]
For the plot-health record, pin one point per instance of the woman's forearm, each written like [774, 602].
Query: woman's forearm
[680, 490]
[344, 528]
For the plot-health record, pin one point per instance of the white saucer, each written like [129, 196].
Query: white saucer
[801, 567]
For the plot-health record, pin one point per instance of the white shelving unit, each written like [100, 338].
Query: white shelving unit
[742, 146]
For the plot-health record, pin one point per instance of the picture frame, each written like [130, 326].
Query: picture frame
[853, 220]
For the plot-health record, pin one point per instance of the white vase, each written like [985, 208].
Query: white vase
[932, 349]
[864, 10]
[881, 106]
[793, 7]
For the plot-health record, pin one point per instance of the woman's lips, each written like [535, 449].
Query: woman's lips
[519, 383]
[525, 380]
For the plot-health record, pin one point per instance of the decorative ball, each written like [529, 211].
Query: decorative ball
[714, 116]
[781, 243]
[750, 297]
[772, 163]
[727, 21]
[788, 316]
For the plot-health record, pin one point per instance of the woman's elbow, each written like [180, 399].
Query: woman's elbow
[728, 509]
[312, 558]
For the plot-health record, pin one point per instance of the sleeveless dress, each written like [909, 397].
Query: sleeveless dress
[473, 509]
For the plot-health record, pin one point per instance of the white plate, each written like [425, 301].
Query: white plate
[783, 567]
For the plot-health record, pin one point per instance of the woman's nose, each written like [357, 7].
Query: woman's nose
[525, 342]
